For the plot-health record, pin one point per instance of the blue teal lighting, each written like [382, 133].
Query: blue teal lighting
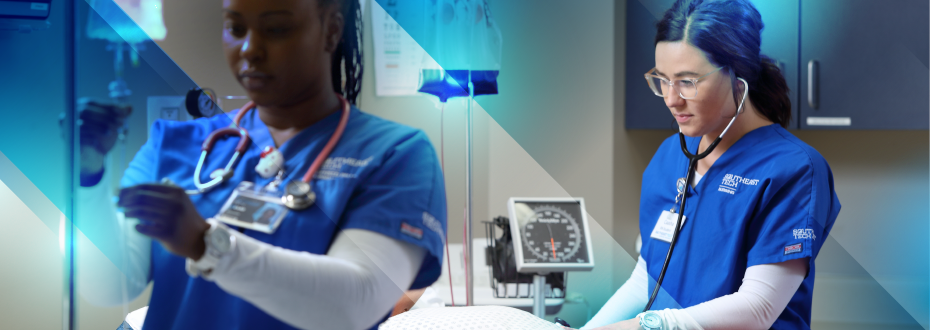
[467, 52]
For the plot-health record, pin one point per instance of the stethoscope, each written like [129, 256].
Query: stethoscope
[298, 195]
[683, 185]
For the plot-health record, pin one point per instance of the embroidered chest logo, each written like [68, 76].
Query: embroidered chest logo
[342, 167]
[731, 183]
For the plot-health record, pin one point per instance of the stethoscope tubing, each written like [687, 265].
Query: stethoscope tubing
[692, 166]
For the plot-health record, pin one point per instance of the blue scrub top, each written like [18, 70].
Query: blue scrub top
[769, 198]
[380, 176]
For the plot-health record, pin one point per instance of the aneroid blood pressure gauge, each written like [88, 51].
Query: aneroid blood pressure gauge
[550, 235]
[201, 102]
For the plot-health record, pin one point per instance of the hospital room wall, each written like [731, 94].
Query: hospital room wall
[578, 99]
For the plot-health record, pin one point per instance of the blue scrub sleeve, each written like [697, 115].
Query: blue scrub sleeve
[794, 216]
[143, 166]
[404, 198]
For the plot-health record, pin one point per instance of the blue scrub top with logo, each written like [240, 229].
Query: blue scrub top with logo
[769, 198]
[381, 176]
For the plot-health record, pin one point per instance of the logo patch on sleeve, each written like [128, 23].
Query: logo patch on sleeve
[415, 232]
[794, 248]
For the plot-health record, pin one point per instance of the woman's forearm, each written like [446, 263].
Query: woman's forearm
[352, 287]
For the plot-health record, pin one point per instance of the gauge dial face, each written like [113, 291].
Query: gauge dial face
[553, 235]
[199, 104]
[206, 105]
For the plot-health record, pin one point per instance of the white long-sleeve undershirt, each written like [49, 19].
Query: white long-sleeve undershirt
[352, 287]
[764, 294]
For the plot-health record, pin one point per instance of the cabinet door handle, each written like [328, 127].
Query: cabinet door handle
[813, 84]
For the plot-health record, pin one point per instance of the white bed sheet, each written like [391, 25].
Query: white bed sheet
[471, 318]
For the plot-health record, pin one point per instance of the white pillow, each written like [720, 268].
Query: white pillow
[429, 299]
[471, 318]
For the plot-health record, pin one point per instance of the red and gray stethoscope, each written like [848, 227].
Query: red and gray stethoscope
[298, 195]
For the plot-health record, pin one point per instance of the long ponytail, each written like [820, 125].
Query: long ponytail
[769, 95]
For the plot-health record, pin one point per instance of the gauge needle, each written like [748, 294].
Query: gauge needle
[551, 240]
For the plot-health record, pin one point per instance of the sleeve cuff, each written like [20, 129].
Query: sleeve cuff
[93, 179]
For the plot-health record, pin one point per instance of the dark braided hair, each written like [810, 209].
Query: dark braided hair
[348, 54]
[729, 33]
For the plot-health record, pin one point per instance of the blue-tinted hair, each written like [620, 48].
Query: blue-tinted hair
[729, 34]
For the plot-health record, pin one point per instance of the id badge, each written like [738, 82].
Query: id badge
[665, 227]
[253, 209]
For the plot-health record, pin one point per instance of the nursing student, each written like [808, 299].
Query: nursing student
[366, 216]
[760, 204]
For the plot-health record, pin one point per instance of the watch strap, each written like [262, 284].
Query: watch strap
[651, 320]
[212, 254]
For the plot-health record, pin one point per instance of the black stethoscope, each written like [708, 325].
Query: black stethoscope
[298, 195]
[682, 186]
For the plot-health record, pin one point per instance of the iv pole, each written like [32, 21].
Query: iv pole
[467, 246]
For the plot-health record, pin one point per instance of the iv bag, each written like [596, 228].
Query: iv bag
[130, 21]
[462, 44]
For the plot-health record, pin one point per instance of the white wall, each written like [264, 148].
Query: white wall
[31, 279]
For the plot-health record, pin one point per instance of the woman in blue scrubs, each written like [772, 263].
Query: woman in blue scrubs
[760, 205]
[375, 230]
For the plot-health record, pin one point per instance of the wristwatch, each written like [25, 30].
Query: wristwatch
[650, 320]
[218, 242]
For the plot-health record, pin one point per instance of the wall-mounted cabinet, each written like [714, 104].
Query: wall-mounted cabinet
[850, 64]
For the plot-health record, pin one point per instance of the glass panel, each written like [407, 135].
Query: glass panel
[33, 166]
[123, 79]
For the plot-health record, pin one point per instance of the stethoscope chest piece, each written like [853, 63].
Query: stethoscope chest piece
[221, 173]
[298, 195]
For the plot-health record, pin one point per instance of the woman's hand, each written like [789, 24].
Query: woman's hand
[631, 324]
[98, 126]
[167, 215]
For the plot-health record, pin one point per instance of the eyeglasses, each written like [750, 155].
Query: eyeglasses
[687, 88]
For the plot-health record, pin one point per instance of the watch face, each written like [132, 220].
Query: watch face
[219, 239]
[651, 320]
